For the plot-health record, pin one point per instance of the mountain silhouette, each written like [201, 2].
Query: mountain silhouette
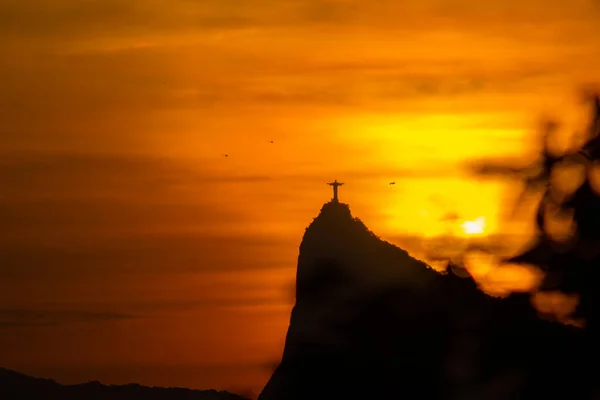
[372, 322]
[17, 386]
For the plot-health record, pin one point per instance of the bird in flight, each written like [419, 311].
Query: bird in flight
[392, 183]
[271, 141]
[226, 155]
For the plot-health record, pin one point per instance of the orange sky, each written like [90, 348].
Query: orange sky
[140, 247]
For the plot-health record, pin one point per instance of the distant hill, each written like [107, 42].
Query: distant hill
[372, 322]
[17, 386]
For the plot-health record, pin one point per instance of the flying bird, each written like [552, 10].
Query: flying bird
[226, 155]
[392, 183]
[271, 141]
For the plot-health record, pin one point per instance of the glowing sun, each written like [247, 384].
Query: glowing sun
[474, 227]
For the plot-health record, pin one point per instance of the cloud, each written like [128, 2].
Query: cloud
[295, 66]
[60, 23]
[138, 253]
[48, 17]
[73, 18]
[131, 105]
[60, 173]
[61, 211]
[15, 318]
[65, 18]
[60, 19]
[72, 175]
[434, 171]
[91, 189]
[235, 304]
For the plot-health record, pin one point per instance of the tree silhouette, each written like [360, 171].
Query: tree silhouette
[570, 262]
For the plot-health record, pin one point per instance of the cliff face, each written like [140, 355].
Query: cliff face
[344, 272]
[371, 321]
[335, 237]
[341, 263]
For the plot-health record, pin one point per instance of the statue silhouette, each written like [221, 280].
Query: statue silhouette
[335, 185]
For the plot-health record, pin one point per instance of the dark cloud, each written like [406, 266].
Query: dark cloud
[137, 253]
[69, 19]
[98, 190]
[436, 170]
[90, 216]
[453, 84]
[151, 308]
[92, 213]
[226, 304]
[74, 174]
[67, 90]
[81, 20]
[73, 18]
[14, 318]
[64, 18]
[123, 97]
[364, 84]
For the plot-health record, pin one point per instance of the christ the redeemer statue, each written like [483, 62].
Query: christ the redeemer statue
[335, 185]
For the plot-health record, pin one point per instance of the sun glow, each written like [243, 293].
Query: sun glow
[474, 227]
